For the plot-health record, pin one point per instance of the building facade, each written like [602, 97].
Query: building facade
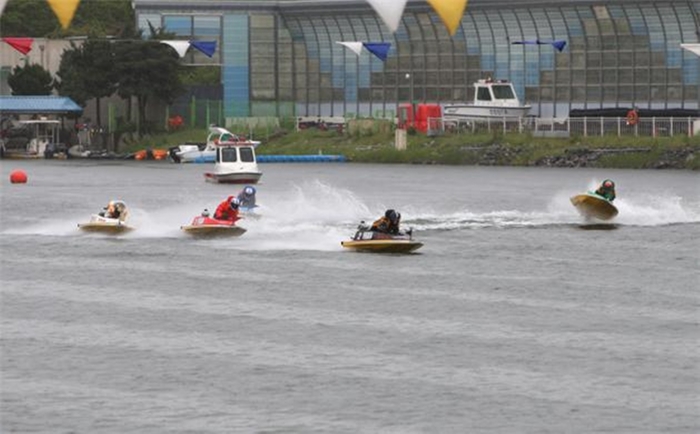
[280, 58]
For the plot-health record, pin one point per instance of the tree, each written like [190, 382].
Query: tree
[34, 18]
[147, 70]
[30, 80]
[88, 72]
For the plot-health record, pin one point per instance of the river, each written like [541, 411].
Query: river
[513, 318]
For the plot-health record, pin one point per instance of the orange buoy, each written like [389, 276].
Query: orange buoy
[18, 177]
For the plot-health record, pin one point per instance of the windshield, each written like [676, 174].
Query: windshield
[228, 155]
[247, 155]
[503, 91]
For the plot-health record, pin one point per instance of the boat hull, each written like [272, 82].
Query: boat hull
[105, 227]
[592, 206]
[214, 230]
[233, 178]
[382, 246]
[466, 112]
[204, 226]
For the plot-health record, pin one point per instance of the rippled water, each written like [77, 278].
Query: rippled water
[512, 318]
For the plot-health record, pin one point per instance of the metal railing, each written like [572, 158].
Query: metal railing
[585, 126]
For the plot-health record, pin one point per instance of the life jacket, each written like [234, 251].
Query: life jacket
[385, 225]
[224, 211]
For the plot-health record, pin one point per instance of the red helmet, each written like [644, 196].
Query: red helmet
[608, 183]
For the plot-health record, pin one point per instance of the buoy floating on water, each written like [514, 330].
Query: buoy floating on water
[18, 177]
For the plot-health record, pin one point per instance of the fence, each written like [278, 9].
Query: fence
[585, 127]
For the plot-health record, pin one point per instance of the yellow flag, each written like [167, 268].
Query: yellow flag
[64, 10]
[450, 12]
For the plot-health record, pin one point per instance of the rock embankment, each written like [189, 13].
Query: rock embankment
[677, 158]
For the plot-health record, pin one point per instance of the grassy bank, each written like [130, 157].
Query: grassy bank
[377, 146]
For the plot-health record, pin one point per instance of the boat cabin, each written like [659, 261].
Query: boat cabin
[235, 154]
[495, 93]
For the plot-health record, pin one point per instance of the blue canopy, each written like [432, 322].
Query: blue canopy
[44, 104]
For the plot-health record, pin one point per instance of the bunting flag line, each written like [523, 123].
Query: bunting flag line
[206, 47]
[389, 11]
[356, 47]
[179, 46]
[559, 45]
[64, 10]
[23, 45]
[450, 12]
[693, 48]
[379, 49]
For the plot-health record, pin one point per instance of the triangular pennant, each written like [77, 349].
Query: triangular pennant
[450, 12]
[389, 11]
[23, 45]
[206, 47]
[535, 42]
[379, 49]
[559, 45]
[354, 46]
[64, 10]
[693, 48]
[179, 46]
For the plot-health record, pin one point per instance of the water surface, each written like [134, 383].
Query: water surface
[512, 317]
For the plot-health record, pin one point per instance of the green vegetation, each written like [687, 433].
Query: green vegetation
[30, 80]
[34, 18]
[467, 149]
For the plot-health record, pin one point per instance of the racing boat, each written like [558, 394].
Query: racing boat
[205, 226]
[594, 206]
[365, 240]
[106, 225]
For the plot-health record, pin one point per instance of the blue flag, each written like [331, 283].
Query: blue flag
[206, 47]
[379, 49]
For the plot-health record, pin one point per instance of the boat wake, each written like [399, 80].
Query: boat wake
[317, 216]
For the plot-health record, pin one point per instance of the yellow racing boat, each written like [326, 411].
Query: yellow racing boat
[105, 225]
[593, 206]
[376, 242]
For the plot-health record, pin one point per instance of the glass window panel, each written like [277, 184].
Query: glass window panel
[641, 76]
[563, 93]
[609, 93]
[180, 25]
[594, 93]
[658, 75]
[593, 76]
[625, 93]
[610, 59]
[207, 26]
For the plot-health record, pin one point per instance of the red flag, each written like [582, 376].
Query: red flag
[23, 45]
